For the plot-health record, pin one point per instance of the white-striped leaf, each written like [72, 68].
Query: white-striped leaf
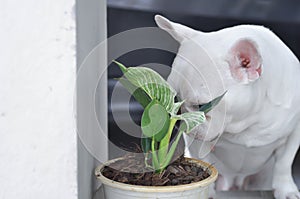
[176, 107]
[153, 84]
[191, 120]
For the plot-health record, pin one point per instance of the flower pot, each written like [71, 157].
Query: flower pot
[195, 190]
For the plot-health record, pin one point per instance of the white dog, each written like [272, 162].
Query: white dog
[260, 133]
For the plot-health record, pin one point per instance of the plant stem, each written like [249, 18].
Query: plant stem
[164, 144]
[169, 156]
[155, 162]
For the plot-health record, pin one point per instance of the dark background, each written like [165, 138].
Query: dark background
[282, 17]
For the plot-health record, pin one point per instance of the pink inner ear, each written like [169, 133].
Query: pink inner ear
[245, 61]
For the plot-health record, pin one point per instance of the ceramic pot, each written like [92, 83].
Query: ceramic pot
[195, 190]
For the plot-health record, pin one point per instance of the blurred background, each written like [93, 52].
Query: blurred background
[282, 17]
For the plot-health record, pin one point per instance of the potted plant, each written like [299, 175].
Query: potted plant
[155, 175]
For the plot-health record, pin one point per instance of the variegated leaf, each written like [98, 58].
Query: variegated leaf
[176, 107]
[153, 84]
[191, 120]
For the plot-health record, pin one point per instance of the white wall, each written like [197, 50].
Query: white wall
[37, 87]
[91, 93]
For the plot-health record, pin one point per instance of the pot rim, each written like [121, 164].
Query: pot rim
[175, 188]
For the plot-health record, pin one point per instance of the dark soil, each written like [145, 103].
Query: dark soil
[131, 170]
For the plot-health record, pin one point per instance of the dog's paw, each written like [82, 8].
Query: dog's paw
[285, 187]
[282, 193]
[295, 195]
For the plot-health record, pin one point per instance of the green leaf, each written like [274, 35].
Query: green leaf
[153, 84]
[155, 121]
[210, 105]
[121, 66]
[176, 107]
[140, 95]
[191, 120]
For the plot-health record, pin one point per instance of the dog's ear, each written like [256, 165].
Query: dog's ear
[177, 31]
[245, 61]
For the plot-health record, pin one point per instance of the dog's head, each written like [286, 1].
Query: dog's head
[206, 65]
